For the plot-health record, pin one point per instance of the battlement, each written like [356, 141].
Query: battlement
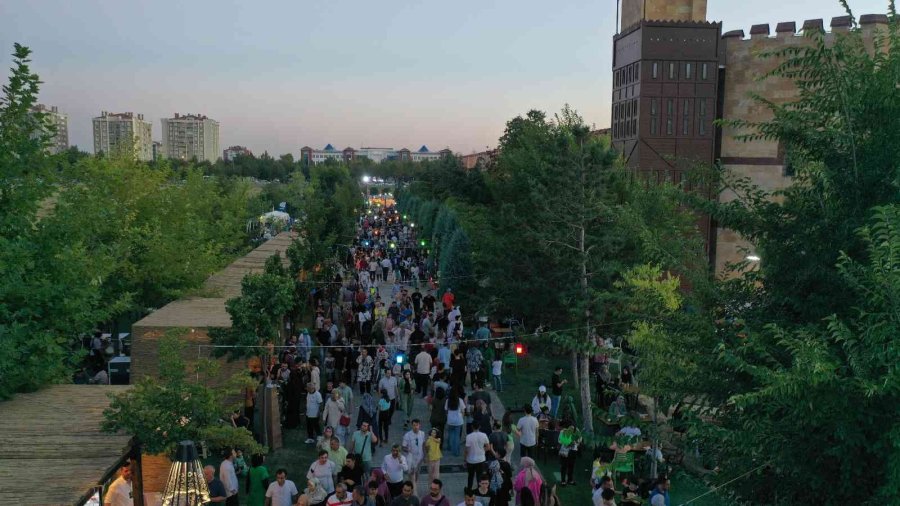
[840, 24]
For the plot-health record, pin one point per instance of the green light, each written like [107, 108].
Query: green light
[422, 243]
[404, 216]
[393, 246]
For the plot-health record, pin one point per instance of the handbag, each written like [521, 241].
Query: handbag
[344, 420]
[564, 451]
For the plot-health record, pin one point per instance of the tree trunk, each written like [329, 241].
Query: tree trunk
[586, 406]
[576, 375]
[584, 387]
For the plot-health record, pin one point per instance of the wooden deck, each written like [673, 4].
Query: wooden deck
[51, 449]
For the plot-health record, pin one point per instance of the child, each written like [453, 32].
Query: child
[433, 454]
[496, 371]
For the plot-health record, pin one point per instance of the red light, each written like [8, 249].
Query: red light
[520, 349]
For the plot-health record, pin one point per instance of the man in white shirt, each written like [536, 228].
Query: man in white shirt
[476, 445]
[282, 492]
[469, 499]
[313, 407]
[229, 478]
[120, 491]
[527, 428]
[423, 369]
[414, 447]
[388, 383]
[394, 465]
[385, 268]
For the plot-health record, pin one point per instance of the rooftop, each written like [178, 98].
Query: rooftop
[55, 433]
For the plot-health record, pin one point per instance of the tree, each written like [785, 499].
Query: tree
[162, 411]
[258, 312]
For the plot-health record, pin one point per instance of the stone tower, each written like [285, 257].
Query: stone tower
[634, 11]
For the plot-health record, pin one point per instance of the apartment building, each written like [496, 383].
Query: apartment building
[190, 136]
[123, 134]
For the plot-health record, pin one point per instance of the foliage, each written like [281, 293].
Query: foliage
[176, 407]
[257, 313]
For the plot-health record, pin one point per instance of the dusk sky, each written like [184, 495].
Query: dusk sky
[281, 75]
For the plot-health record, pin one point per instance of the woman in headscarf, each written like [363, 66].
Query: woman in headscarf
[315, 493]
[528, 483]
[368, 412]
[293, 392]
[378, 479]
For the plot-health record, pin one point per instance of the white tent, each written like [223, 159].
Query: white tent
[275, 216]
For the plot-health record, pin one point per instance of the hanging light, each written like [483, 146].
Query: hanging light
[186, 485]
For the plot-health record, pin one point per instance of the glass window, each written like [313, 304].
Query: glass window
[672, 70]
[685, 118]
[703, 71]
[701, 108]
[655, 70]
[637, 71]
[670, 117]
[688, 71]
[653, 107]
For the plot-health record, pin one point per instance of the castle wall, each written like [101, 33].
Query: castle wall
[762, 161]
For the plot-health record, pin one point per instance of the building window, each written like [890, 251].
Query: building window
[654, 117]
[688, 71]
[637, 71]
[670, 116]
[703, 71]
[655, 70]
[671, 71]
[685, 118]
[701, 107]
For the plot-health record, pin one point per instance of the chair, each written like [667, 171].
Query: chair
[622, 463]
[511, 359]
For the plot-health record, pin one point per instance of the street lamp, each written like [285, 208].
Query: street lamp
[367, 180]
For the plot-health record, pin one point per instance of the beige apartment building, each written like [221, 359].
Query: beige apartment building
[59, 140]
[123, 134]
[189, 136]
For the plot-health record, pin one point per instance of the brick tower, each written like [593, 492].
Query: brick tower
[666, 89]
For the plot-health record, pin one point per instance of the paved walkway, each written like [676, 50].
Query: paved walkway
[453, 472]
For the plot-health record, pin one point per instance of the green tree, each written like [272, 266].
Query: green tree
[174, 407]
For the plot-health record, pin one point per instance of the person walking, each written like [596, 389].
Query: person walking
[229, 478]
[414, 448]
[455, 408]
[423, 369]
[433, 454]
[282, 492]
[217, 493]
[435, 495]
[528, 483]
[477, 445]
[313, 407]
[384, 417]
[257, 482]
[569, 441]
[334, 411]
[406, 497]
[394, 466]
[527, 429]
[120, 490]
[406, 395]
[361, 443]
[556, 390]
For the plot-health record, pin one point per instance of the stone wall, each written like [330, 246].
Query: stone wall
[662, 10]
[762, 161]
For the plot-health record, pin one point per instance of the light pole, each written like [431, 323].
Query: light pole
[366, 180]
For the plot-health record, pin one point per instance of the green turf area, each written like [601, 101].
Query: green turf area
[520, 386]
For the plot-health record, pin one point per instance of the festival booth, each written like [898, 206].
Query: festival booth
[52, 450]
[195, 316]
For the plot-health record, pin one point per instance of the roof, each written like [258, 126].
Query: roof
[55, 433]
[329, 147]
[423, 149]
[204, 312]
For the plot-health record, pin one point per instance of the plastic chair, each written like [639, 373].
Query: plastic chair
[511, 359]
[622, 463]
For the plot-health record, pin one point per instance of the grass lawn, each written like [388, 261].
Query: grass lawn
[521, 385]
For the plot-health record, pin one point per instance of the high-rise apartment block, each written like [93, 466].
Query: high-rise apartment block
[233, 152]
[189, 136]
[675, 73]
[123, 134]
[59, 123]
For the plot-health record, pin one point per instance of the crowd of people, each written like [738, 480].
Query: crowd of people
[381, 344]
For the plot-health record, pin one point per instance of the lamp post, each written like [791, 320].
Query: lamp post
[185, 485]
[366, 180]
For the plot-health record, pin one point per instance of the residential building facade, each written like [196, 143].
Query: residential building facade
[59, 139]
[316, 156]
[190, 136]
[123, 134]
[675, 73]
[233, 152]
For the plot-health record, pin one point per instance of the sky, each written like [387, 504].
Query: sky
[279, 75]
